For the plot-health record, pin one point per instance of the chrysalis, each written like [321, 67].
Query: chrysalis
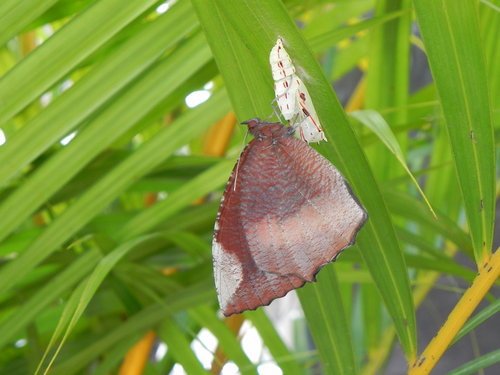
[292, 96]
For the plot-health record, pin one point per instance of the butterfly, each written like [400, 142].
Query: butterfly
[285, 213]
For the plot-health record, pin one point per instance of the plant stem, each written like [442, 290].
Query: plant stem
[488, 274]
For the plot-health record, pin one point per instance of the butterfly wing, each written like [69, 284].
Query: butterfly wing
[280, 61]
[274, 235]
[241, 285]
[285, 91]
[304, 215]
[292, 96]
[283, 73]
[310, 129]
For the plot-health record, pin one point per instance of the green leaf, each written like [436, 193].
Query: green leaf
[140, 322]
[122, 66]
[326, 39]
[454, 49]
[16, 15]
[195, 188]
[30, 309]
[81, 297]
[179, 347]
[63, 51]
[486, 313]
[406, 206]
[98, 135]
[376, 123]
[108, 188]
[472, 367]
[371, 312]
[272, 340]
[323, 308]
[387, 81]
[227, 340]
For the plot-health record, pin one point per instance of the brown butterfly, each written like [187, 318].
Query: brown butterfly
[285, 213]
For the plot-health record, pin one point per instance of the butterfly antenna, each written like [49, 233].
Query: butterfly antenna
[295, 121]
[276, 112]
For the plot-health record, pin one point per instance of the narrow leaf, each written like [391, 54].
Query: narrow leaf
[323, 308]
[90, 92]
[227, 340]
[454, 49]
[16, 15]
[479, 318]
[477, 364]
[114, 183]
[376, 123]
[46, 295]
[63, 51]
[145, 319]
[179, 347]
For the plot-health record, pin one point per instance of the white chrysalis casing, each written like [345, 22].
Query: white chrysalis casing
[292, 96]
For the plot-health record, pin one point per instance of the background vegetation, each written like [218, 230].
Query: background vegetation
[109, 183]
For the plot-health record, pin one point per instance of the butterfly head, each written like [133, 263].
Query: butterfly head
[267, 130]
